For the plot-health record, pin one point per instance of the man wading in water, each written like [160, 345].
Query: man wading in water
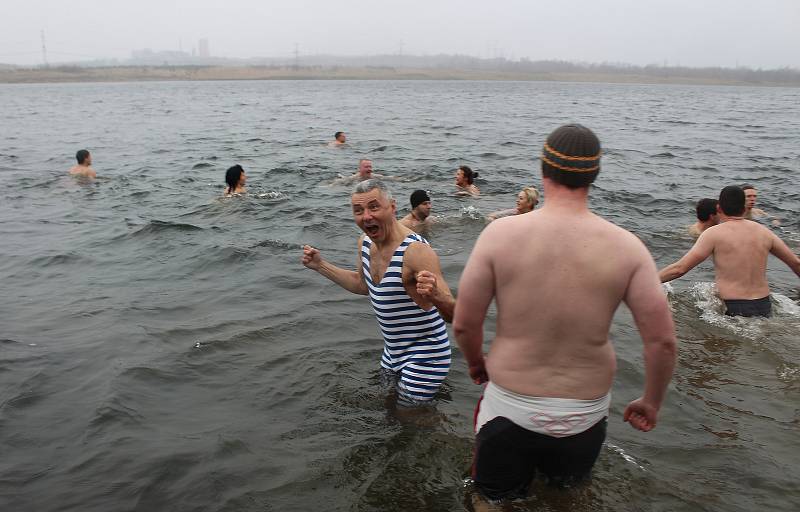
[400, 273]
[558, 275]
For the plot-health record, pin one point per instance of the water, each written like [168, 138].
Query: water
[163, 349]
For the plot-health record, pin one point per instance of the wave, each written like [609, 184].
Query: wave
[202, 165]
[59, 259]
[160, 226]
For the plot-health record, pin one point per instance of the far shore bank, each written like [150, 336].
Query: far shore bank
[206, 73]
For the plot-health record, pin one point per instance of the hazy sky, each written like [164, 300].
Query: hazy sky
[764, 33]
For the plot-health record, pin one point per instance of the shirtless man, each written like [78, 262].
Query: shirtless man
[339, 139]
[706, 216]
[420, 217]
[364, 173]
[750, 210]
[550, 366]
[401, 274]
[84, 167]
[740, 249]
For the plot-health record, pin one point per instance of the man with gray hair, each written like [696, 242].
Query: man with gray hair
[401, 274]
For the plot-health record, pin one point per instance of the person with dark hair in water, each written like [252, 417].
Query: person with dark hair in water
[235, 178]
[465, 179]
[740, 249]
[339, 139]
[420, 216]
[84, 167]
[551, 366]
[706, 216]
[750, 210]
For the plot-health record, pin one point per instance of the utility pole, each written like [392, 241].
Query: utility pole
[296, 57]
[44, 51]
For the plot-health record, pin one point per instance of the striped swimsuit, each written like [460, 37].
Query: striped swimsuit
[416, 349]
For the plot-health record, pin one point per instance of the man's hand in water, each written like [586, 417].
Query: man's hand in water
[641, 415]
[311, 257]
[426, 285]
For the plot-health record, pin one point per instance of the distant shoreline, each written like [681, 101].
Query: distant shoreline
[74, 74]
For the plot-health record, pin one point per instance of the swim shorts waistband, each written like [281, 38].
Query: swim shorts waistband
[749, 307]
[556, 417]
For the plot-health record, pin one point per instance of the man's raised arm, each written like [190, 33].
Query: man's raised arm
[701, 250]
[648, 303]
[781, 251]
[350, 280]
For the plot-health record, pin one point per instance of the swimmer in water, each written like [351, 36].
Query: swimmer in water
[402, 276]
[84, 167]
[707, 216]
[740, 249]
[465, 178]
[750, 210]
[235, 178]
[420, 217]
[364, 173]
[339, 139]
[551, 365]
[527, 200]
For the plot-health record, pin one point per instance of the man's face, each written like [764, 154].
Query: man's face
[714, 219]
[750, 198]
[88, 160]
[365, 169]
[423, 210]
[373, 213]
[341, 139]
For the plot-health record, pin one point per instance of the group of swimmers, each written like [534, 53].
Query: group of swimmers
[557, 275]
[708, 216]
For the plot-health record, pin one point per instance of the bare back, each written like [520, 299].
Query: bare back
[559, 278]
[740, 249]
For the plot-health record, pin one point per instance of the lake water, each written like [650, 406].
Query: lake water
[164, 349]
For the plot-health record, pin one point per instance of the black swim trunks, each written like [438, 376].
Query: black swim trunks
[507, 457]
[754, 307]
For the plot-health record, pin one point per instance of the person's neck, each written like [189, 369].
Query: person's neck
[395, 237]
[416, 217]
[561, 197]
[726, 218]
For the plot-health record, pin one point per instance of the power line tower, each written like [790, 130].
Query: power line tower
[296, 57]
[44, 51]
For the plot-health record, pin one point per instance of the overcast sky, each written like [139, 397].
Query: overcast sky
[764, 33]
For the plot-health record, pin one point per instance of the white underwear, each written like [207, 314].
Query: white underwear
[556, 417]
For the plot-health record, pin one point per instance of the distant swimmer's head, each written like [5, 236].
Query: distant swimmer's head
[571, 156]
[750, 196]
[731, 201]
[527, 199]
[421, 204]
[83, 157]
[365, 169]
[374, 209]
[707, 210]
[340, 137]
[235, 178]
[465, 176]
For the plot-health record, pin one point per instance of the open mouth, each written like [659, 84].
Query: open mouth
[372, 230]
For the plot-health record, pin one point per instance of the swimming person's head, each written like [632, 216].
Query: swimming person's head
[527, 199]
[374, 209]
[340, 137]
[365, 169]
[421, 204]
[706, 208]
[465, 176]
[83, 157]
[750, 196]
[731, 201]
[571, 156]
[235, 178]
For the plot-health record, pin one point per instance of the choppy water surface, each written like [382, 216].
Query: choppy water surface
[163, 349]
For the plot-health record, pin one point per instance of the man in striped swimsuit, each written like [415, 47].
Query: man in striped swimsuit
[401, 274]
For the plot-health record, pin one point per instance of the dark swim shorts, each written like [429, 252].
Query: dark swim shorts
[754, 307]
[508, 457]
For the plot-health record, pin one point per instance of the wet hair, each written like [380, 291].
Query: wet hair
[706, 207]
[336, 135]
[81, 155]
[469, 174]
[232, 177]
[532, 194]
[371, 184]
[731, 201]
[571, 156]
[748, 186]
